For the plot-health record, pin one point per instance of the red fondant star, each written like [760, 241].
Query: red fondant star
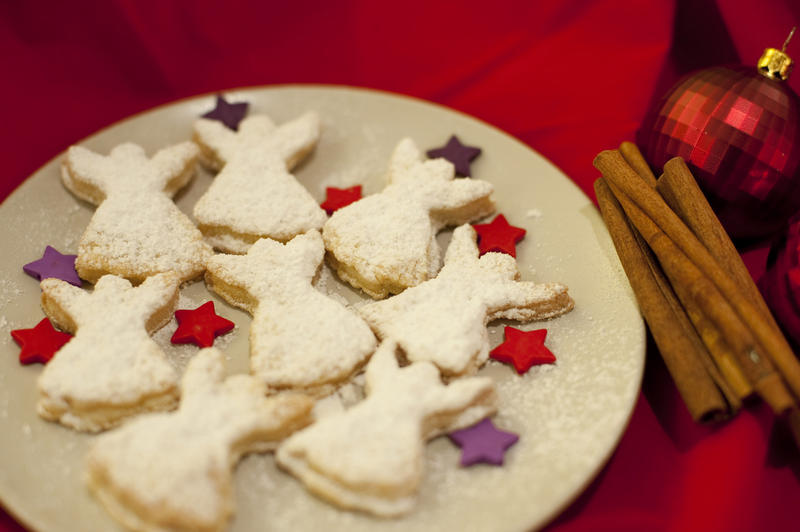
[336, 198]
[523, 349]
[499, 235]
[40, 343]
[200, 326]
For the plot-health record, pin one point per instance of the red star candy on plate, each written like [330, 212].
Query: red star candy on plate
[336, 198]
[40, 343]
[200, 326]
[523, 349]
[499, 236]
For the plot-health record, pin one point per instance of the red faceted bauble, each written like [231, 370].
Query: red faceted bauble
[739, 132]
[780, 284]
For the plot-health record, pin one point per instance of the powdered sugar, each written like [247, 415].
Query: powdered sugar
[112, 344]
[444, 320]
[9, 292]
[386, 242]
[254, 195]
[175, 469]
[273, 282]
[370, 456]
[137, 230]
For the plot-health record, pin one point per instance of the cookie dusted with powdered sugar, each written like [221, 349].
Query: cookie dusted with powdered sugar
[299, 338]
[386, 242]
[370, 457]
[254, 196]
[137, 231]
[444, 319]
[111, 369]
[173, 471]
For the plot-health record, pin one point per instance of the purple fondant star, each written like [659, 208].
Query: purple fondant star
[483, 443]
[229, 114]
[54, 264]
[457, 153]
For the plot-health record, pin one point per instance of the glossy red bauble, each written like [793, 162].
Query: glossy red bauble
[780, 284]
[740, 134]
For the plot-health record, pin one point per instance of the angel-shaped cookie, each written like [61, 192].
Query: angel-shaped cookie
[172, 471]
[137, 231]
[299, 338]
[111, 369]
[254, 195]
[370, 457]
[386, 242]
[444, 320]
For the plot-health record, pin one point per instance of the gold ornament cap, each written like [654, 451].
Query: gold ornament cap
[776, 64]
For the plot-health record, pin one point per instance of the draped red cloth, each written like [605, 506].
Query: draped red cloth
[567, 78]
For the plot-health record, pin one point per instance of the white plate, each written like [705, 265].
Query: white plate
[570, 416]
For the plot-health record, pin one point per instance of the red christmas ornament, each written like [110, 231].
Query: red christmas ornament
[738, 129]
[780, 284]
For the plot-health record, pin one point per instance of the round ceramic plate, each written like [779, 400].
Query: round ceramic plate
[569, 415]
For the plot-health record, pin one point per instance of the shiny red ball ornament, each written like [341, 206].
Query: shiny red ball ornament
[738, 129]
[780, 284]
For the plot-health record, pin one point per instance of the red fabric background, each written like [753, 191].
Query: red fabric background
[567, 78]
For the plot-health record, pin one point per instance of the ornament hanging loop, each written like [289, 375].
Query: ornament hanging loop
[776, 64]
[789, 38]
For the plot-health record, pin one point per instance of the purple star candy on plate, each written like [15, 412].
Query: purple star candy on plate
[54, 264]
[229, 114]
[457, 153]
[483, 443]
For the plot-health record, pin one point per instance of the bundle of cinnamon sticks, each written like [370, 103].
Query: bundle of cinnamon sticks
[712, 327]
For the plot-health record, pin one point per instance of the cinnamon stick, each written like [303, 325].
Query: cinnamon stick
[718, 348]
[734, 381]
[681, 350]
[680, 190]
[716, 356]
[719, 362]
[716, 345]
[636, 160]
[653, 207]
[691, 282]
